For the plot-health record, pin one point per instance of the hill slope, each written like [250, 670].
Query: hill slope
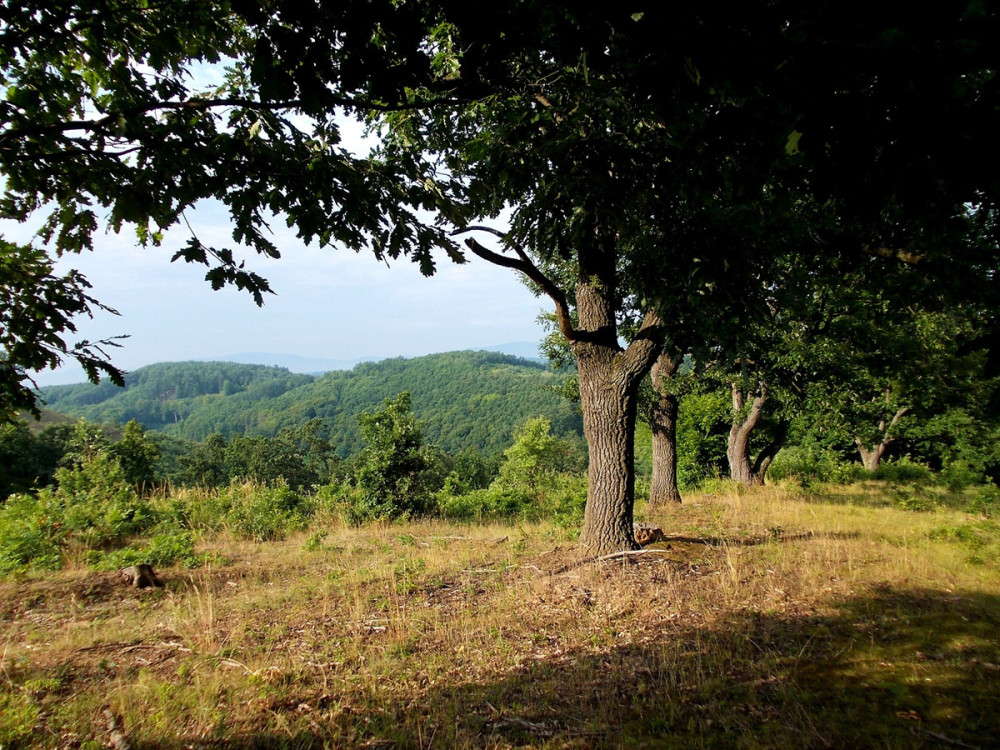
[465, 399]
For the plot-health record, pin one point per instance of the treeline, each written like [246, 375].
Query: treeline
[107, 500]
[464, 399]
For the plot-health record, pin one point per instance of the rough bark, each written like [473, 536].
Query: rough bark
[609, 384]
[663, 425]
[609, 391]
[741, 468]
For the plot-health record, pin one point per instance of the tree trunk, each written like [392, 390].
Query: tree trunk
[609, 382]
[663, 424]
[872, 457]
[766, 456]
[741, 468]
[609, 394]
[609, 409]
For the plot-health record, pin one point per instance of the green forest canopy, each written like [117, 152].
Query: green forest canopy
[464, 399]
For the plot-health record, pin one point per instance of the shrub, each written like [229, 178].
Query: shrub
[904, 470]
[170, 548]
[957, 475]
[31, 535]
[263, 514]
[986, 501]
[388, 473]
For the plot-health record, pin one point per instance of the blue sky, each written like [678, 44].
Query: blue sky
[329, 303]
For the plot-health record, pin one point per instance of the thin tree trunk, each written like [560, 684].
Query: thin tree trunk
[872, 456]
[741, 468]
[663, 424]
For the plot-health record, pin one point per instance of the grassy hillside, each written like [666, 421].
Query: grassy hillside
[772, 619]
[465, 399]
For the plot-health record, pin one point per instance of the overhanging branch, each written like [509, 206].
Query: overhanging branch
[522, 263]
[111, 119]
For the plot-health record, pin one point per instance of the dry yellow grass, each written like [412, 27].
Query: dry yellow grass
[768, 619]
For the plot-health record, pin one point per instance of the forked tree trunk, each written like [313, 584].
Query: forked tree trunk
[741, 468]
[663, 424]
[766, 456]
[871, 456]
[609, 394]
[609, 383]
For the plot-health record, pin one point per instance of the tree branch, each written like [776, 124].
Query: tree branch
[524, 265]
[205, 104]
[641, 353]
[901, 254]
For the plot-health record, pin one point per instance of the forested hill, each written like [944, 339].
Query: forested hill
[463, 398]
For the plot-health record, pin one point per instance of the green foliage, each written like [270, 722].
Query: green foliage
[31, 534]
[137, 456]
[92, 505]
[535, 457]
[540, 477]
[702, 431]
[36, 314]
[169, 548]
[986, 501]
[811, 462]
[164, 396]
[26, 460]
[388, 475]
[264, 513]
[463, 400]
[19, 716]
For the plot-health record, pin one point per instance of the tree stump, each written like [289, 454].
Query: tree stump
[140, 576]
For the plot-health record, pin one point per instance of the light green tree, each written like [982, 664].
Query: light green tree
[388, 471]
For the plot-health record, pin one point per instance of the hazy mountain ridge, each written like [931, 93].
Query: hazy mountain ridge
[320, 365]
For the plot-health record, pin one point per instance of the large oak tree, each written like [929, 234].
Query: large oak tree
[654, 158]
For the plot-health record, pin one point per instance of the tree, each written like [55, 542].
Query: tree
[662, 418]
[656, 157]
[137, 456]
[36, 312]
[388, 471]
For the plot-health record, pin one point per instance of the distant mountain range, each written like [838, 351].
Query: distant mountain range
[317, 366]
[464, 399]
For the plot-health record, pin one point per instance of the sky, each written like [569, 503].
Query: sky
[330, 303]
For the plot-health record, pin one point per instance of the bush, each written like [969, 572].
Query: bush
[264, 514]
[957, 475]
[986, 501]
[389, 474]
[31, 535]
[904, 470]
[171, 548]
[815, 463]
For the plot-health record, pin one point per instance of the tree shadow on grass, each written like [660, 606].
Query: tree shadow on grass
[894, 668]
[900, 668]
